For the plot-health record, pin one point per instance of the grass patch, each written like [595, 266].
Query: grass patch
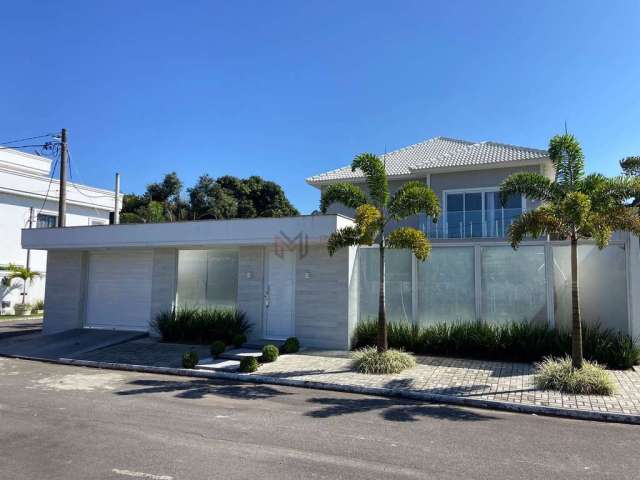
[369, 360]
[517, 341]
[558, 374]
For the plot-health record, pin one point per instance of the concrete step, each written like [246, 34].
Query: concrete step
[240, 353]
[218, 364]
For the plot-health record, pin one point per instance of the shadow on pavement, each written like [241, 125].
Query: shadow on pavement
[393, 410]
[202, 388]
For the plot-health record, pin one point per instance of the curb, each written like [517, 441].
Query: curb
[377, 391]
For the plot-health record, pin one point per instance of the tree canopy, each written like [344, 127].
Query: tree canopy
[221, 198]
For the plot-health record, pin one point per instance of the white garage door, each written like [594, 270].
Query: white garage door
[119, 290]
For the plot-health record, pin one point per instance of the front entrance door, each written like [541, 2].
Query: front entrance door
[280, 280]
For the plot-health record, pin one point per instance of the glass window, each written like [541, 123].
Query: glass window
[455, 214]
[208, 278]
[446, 284]
[513, 284]
[46, 221]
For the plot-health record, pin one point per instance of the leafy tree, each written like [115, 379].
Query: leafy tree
[257, 197]
[574, 206]
[210, 201]
[22, 273]
[631, 166]
[374, 212]
[167, 193]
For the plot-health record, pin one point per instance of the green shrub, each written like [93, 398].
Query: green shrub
[37, 306]
[201, 325]
[189, 359]
[270, 353]
[516, 341]
[559, 374]
[369, 360]
[290, 345]
[217, 348]
[248, 365]
[238, 340]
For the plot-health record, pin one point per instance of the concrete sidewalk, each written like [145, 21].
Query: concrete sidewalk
[69, 344]
[498, 385]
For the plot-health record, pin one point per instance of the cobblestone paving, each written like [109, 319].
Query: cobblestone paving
[486, 380]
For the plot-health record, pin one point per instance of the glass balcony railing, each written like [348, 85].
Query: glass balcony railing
[472, 224]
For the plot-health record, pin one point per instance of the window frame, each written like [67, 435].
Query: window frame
[483, 191]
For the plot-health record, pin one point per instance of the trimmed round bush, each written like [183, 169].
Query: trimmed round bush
[239, 340]
[190, 359]
[217, 348]
[248, 365]
[290, 345]
[270, 353]
[559, 374]
[369, 360]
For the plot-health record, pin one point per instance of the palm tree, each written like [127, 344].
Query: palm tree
[23, 273]
[373, 214]
[575, 206]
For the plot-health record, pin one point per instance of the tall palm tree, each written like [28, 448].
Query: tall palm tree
[23, 273]
[575, 206]
[373, 214]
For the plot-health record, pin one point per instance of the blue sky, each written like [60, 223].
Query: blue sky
[289, 89]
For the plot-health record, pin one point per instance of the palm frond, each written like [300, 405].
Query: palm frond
[408, 237]
[567, 157]
[374, 171]
[345, 193]
[414, 198]
[543, 220]
[369, 222]
[532, 185]
[344, 237]
[22, 273]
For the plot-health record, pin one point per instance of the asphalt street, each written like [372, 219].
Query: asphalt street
[67, 423]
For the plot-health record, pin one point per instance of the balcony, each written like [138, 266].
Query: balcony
[472, 224]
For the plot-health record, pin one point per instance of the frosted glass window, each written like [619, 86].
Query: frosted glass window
[446, 284]
[397, 285]
[513, 284]
[208, 278]
[602, 281]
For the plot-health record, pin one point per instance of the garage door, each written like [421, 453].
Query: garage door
[119, 289]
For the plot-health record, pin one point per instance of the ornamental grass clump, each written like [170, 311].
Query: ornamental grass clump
[201, 325]
[370, 360]
[559, 374]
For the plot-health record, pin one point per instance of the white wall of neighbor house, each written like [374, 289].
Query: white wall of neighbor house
[14, 216]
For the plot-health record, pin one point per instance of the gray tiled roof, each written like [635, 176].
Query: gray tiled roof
[439, 152]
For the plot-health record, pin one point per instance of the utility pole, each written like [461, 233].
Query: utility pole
[62, 201]
[116, 212]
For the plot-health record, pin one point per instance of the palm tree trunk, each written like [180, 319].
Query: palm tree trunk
[24, 290]
[576, 336]
[382, 316]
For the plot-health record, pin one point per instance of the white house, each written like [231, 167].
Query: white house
[28, 198]
[278, 271]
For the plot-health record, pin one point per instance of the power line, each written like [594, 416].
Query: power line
[27, 138]
[53, 171]
[24, 146]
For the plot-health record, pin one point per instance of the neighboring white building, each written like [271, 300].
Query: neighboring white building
[28, 191]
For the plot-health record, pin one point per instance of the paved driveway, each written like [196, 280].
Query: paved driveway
[65, 344]
[19, 326]
[66, 423]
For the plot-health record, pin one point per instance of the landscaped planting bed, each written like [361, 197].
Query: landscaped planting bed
[520, 342]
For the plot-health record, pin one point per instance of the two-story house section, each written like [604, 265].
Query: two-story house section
[464, 175]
